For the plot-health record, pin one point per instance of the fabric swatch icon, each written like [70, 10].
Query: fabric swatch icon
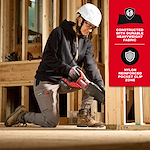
[129, 17]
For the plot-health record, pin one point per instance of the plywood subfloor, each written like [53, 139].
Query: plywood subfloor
[72, 138]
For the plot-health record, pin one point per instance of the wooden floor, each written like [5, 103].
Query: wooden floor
[72, 138]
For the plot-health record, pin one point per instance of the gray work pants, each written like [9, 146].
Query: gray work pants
[46, 96]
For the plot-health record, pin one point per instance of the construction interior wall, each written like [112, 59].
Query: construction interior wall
[24, 28]
[29, 24]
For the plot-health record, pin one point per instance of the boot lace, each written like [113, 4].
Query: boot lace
[88, 114]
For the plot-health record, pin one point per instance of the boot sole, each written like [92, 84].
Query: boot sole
[100, 126]
[81, 125]
[16, 110]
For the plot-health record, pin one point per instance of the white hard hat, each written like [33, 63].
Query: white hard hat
[90, 13]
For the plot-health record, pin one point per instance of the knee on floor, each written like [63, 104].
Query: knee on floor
[51, 124]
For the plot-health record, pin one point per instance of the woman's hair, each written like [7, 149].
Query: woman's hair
[78, 28]
[76, 21]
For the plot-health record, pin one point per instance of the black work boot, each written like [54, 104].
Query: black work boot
[16, 117]
[85, 119]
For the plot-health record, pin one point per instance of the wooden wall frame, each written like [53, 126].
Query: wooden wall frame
[115, 96]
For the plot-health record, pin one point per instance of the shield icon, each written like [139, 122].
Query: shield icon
[129, 56]
[129, 13]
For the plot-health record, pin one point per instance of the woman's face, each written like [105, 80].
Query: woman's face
[86, 28]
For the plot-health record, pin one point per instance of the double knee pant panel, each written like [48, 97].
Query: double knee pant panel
[38, 119]
[46, 96]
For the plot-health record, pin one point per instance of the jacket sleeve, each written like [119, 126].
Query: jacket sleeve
[50, 53]
[90, 66]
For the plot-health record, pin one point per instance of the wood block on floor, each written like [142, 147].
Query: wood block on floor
[63, 121]
[128, 127]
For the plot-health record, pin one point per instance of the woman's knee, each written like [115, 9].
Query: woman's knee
[51, 124]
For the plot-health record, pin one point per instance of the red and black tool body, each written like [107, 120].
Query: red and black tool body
[89, 87]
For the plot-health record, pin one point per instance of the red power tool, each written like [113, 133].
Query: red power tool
[89, 87]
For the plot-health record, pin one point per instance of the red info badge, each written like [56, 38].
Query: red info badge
[129, 43]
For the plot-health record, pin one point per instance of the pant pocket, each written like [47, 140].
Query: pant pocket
[50, 96]
[44, 99]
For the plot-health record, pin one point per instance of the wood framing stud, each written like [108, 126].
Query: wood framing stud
[3, 31]
[146, 104]
[55, 13]
[114, 96]
[138, 105]
[25, 96]
[24, 29]
[1, 99]
[46, 22]
[3, 102]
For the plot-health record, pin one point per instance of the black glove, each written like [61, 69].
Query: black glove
[102, 88]
[74, 74]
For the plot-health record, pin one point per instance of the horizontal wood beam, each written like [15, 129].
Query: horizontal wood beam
[14, 74]
[16, 83]
[19, 62]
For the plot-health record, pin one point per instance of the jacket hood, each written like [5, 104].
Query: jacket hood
[67, 25]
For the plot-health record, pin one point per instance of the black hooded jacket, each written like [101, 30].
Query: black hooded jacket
[59, 53]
